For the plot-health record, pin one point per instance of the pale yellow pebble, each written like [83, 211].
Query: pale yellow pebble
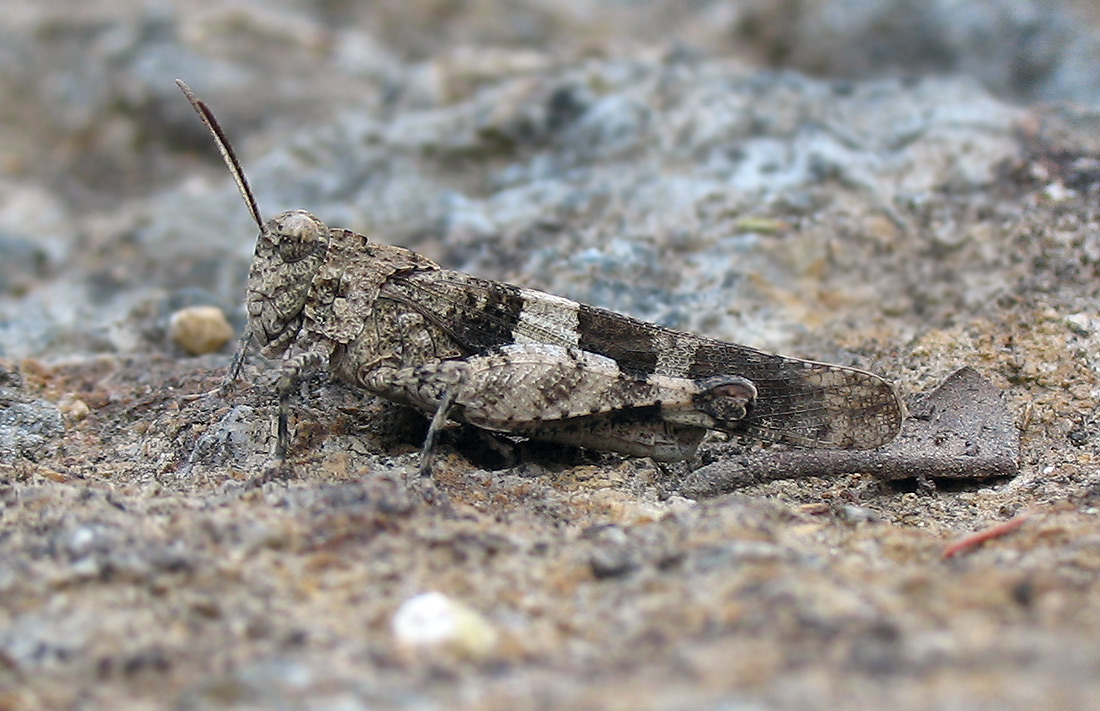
[199, 329]
[74, 408]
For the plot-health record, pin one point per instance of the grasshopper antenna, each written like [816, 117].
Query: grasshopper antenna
[234, 166]
[226, 150]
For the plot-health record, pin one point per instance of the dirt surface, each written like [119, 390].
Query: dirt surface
[873, 187]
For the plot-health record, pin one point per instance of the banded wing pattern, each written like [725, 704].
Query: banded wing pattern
[799, 402]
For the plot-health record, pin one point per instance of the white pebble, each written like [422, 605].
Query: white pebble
[434, 622]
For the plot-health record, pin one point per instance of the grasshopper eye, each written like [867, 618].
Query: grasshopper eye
[292, 249]
[298, 234]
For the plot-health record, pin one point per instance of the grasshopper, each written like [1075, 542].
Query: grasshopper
[523, 362]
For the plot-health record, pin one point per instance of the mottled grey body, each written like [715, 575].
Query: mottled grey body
[521, 361]
[515, 360]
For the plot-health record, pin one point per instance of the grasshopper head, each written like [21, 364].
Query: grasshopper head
[289, 251]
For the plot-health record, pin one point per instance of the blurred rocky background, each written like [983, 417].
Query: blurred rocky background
[903, 186]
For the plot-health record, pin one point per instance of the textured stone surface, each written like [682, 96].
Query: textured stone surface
[28, 425]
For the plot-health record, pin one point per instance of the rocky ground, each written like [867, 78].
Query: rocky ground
[905, 187]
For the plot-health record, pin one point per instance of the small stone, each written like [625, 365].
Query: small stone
[432, 622]
[74, 408]
[199, 329]
[611, 563]
[857, 514]
[1080, 323]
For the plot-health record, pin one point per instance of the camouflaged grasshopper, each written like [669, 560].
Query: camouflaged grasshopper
[523, 362]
